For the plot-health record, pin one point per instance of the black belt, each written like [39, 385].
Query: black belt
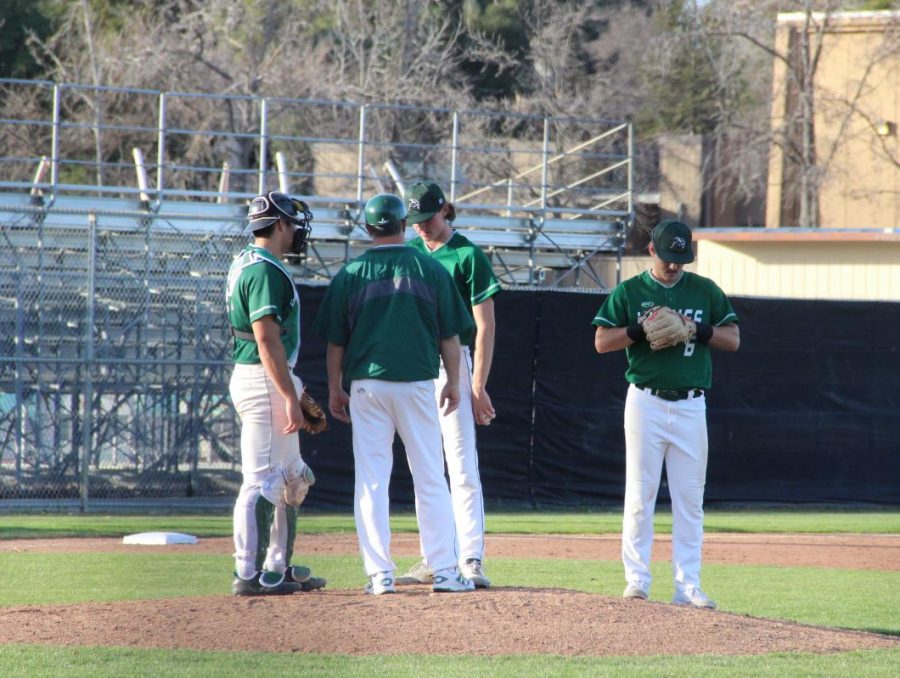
[672, 394]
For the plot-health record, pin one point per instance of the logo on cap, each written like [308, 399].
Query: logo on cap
[678, 244]
[414, 204]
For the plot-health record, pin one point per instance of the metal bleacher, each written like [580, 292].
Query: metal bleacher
[112, 326]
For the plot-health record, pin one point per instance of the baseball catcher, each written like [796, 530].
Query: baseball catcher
[264, 314]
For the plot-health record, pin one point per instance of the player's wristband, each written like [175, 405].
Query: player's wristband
[704, 332]
[636, 333]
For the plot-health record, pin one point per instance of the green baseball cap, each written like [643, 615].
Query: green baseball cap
[424, 199]
[673, 242]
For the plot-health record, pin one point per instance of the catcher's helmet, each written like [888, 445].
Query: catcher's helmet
[269, 208]
[386, 213]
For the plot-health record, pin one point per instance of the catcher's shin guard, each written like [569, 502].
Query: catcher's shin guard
[290, 513]
[265, 519]
[254, 516]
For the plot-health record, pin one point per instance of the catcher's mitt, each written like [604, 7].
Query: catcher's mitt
[313, 415]
[665, 327]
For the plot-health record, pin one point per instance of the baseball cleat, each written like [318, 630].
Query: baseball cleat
[381, 583]
[692, 595]
[451, 581]
[639, 590]
[419, 573]
[312, 584]
[266, 584]
[473, 571]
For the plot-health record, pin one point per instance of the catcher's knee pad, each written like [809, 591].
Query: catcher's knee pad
[298, 478]
[272, 487]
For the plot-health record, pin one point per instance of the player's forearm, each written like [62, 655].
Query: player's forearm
[726, 338]
[274, 360]
[486, 329]
[607, 339]
[334, 361]
[450, 356]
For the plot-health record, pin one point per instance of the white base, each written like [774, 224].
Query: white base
[159, 538]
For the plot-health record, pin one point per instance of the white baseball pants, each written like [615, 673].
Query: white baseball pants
[657, 430]
[378, 409]
[461, 454]
[263, 448]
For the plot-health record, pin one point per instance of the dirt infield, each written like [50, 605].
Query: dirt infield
[519, 620]
[843, 551]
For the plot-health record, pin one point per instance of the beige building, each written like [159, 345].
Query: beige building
[787, 263]
[856, 111]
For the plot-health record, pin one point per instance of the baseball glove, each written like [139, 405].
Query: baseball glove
[313, 414]
[665, 327]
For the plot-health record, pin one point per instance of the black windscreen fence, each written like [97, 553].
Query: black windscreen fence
[807, 411]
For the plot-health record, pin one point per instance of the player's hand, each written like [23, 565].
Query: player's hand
[294, 416]
[449, 399]
[338, 402]
[482, 407]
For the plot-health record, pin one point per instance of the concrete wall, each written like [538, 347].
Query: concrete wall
[857, 109]
[681, 178]
[784, 263]
[847, 267]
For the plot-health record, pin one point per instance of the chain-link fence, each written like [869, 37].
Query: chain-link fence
[115, 359]
[120, 212]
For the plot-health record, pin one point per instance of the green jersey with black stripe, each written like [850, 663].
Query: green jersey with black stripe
[470, 269]
[389, 308]
[682, 366]
[259, 285]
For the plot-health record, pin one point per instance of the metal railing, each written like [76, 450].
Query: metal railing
[226, 148]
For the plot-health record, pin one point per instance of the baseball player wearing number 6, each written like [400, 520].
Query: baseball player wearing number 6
[667, 320]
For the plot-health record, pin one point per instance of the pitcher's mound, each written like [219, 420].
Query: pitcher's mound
[414, 620]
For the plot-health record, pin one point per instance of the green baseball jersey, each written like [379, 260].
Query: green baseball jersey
[389, 308]
[259, 285]
[682, 366]
[470, 269]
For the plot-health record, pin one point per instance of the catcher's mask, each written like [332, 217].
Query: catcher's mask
[266, 209]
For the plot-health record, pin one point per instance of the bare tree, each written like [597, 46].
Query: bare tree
[388, 51]
[810, 158]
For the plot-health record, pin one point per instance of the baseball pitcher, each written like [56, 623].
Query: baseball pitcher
[667, 320]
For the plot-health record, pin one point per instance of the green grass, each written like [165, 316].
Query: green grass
[863, 600]
[100, 662]
[520, 522]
